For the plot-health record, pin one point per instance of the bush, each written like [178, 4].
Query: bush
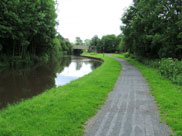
[126, 54]
[45, 58]
[168, 67]
[171, 69]
[151, 63]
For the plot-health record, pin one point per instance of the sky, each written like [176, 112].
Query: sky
[86, 18]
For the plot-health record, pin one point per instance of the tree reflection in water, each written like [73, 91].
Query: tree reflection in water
[26, 83]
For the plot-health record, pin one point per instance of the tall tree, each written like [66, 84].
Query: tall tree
[152, 28]
[27, 27]
[79, 41]
[87, 42]
[109, 43]
[95, 44]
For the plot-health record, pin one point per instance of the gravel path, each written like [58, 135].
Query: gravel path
[129, 110]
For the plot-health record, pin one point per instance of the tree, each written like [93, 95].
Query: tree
[27, 28]
[87, 42]
[65, 45]
[109, 43]
[95, 44]
[120, 44]
[79, 41]
[152, 28]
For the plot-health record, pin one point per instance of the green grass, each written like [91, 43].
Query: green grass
[168, 96]
[62, 111]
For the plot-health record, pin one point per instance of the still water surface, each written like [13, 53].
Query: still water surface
[16, 85]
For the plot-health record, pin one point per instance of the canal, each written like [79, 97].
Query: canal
[18, 84]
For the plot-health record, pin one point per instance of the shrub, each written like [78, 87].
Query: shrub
[126, 54]
[171, 69]
[168, 67]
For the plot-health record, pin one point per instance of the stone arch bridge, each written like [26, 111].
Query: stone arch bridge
[80, 47]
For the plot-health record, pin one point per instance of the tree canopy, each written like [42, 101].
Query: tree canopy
[108, 43]
[79, 41]
[153, 28]
[27, 28]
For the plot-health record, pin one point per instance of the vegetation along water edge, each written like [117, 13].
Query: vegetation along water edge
[63, 110]
[167, 95]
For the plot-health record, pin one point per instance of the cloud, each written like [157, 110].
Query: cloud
[86, 18]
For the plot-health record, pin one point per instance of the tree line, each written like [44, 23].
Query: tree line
[108, 43]
[153, 29]
[27, 30]
[152, 33]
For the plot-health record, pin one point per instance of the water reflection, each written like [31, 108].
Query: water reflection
[26, 83]
[78, 68]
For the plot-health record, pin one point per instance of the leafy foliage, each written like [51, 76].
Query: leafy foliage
[95, 44]
[87, 42]
[153, 28]
[79, 41]
[27, 28]
[171, 69]
[108, 43]
[65, 45]
[167, 67]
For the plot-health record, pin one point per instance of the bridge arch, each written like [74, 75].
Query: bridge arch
[81, 47]
[78, 49]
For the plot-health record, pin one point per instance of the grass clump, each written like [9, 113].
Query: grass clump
[168, 96]
[62, 111]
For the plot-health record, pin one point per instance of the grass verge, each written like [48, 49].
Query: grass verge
[168, 96]
[62, 111]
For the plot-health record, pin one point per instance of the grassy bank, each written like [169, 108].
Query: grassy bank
[62, 111]
[168, 96]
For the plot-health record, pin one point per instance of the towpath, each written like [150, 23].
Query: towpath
[129, 110]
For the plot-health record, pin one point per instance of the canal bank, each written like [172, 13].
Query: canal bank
[24, 83]
[62, 110]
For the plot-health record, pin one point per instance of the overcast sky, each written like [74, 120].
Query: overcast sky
[86, 18]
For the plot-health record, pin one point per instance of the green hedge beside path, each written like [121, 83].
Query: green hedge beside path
[62, 111]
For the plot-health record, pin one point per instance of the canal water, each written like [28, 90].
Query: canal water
[18, 84]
